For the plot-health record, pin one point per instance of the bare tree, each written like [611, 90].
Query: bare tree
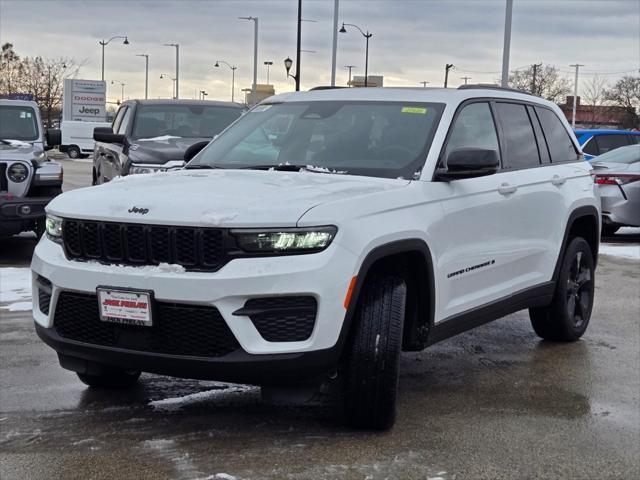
[41, 77]
[542, 80]
[626, 93]
[595, 98]
[10, 69]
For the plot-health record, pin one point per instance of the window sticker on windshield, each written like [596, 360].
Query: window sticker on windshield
[261, 108]
[420, 110]
[25, 114]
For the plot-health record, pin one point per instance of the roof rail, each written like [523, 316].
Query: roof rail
[325, 87]
[490, 86]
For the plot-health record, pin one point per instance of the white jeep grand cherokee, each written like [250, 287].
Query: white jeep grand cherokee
[320, 235]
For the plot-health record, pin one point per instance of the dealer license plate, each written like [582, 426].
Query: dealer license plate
[125, 306]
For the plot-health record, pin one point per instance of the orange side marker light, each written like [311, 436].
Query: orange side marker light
[347, 298]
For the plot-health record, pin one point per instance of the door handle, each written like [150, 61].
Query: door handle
[557, 180]
[506, 189]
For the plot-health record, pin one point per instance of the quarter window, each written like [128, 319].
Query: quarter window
[561, 146]
[591, 147]
[521, 150]
[473, 128]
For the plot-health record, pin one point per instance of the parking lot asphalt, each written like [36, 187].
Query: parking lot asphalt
[495, 402]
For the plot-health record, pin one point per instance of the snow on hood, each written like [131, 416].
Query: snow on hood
[229, 198]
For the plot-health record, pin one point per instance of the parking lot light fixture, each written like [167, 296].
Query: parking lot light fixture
[122, 84]
[146, 74]
[233, 75]
[367, 36]
[177, 79]
[104, 43]
[255, 56]
[173, 83]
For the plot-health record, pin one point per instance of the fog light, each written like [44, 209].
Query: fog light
[25, 209]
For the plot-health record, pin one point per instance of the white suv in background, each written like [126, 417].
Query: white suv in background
[320, 235]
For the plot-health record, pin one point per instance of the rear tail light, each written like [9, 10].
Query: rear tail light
[620, 179]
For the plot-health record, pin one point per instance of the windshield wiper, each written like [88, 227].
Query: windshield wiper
[202, 166]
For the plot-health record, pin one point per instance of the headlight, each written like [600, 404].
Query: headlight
[294, 240]
[54, 228]
[17, 172]
[135, 169]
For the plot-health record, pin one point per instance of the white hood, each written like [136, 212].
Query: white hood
[228, 198]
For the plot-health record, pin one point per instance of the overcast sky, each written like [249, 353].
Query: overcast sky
[412, 39]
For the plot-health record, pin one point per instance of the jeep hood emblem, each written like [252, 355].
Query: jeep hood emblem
[141, 211]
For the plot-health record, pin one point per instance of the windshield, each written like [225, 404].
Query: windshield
[628, 155]
[18, 123]
[188, 121]
[381, 139]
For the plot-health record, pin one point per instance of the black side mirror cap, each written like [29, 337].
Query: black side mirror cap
[469, 163]
[53, 137]
[106, 135]
[194, 149]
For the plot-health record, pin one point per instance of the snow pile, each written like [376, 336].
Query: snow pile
[210, 218]
[313, 168]
[17, 143]
[163, 138]
[222, 389]
[15, 287]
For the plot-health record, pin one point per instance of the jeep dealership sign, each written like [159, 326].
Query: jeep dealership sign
[84, 100]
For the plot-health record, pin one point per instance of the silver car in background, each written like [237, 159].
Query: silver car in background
[618, 175]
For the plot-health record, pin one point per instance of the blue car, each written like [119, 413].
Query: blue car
[597, 142]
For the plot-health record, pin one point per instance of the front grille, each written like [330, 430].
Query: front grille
[178, 329]
[195, 248]
[282, 319]
[4, 183]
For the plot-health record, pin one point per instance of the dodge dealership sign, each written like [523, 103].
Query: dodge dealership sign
[84, 100]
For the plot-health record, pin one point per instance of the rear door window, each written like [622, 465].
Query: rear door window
[521, 149]
[606, 143]
[591, 147]
[561, 147]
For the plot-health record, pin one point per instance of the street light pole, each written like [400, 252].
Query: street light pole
[575, 95]
[349, 67]
[105, 43]
[334, 50]
[255, 56]
[146, 74]
[268, 64]
[465, 79]
[173, 83]
[424, 83]
[366, 58]
[507, 44]
[177, 94]
[233, 75]
[447, 67]
[122, 91]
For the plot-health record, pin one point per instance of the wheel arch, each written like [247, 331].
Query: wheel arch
[583, 222]
[411, 259]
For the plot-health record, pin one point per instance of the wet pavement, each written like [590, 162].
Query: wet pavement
[495, 402]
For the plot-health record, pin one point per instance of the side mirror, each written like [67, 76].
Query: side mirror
[469, 163]
[106, 135]
[53, 137]
[194, 149]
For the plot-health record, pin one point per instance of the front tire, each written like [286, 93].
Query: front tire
[567, 317]
[371, 373]
[113, 379]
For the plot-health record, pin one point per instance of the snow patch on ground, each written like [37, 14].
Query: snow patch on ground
[15, 287]
[222, 389]
[218, 476]
[618, 250]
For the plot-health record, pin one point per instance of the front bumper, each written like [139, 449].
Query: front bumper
[324, 276]
[18, 214]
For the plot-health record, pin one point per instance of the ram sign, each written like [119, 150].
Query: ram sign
[84, 100]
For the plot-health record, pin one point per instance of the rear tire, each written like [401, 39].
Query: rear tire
[371, 373]
[567, 317]
[113, 379]
[608, 229]
[73, 152]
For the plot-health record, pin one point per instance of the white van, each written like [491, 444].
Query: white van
[77, 137]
